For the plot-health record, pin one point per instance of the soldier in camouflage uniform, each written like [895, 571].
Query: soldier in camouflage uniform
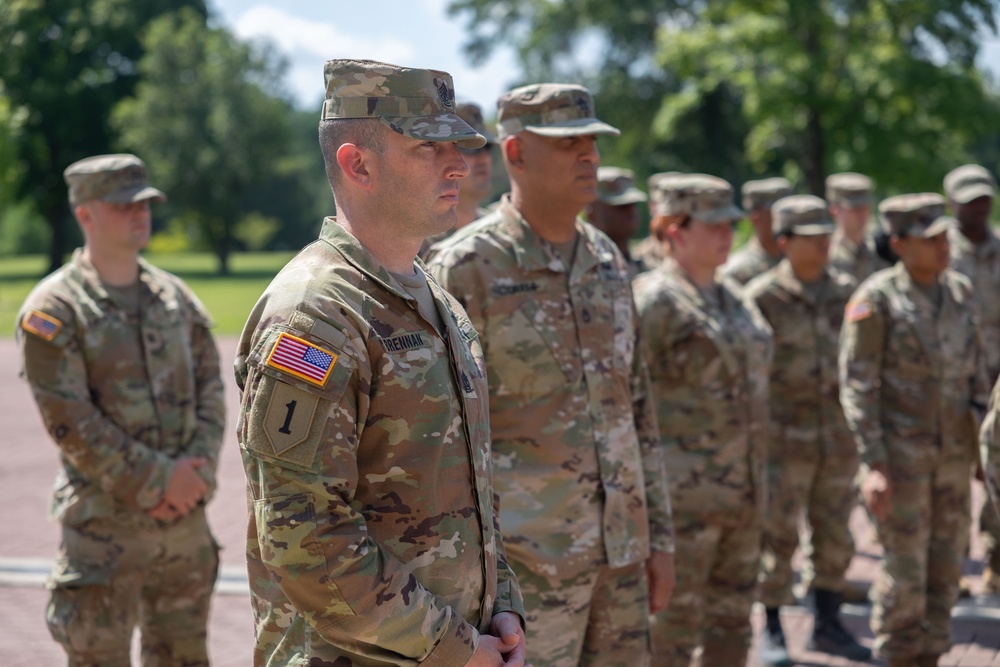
[364, 429]
[650, 252]
[708, 356]
[911, 382]
[761, 252]
[126, 376]
[811, 460]
[475, 187]
[975, 253]
[579, 468]
[614, 211]
[850, 198]
[989, 448]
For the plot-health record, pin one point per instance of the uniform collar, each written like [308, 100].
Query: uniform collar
[94, 284]
[359, 257]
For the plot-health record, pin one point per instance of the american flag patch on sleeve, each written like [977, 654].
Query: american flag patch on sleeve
[40, 324]
[302, 359]
[858, 311]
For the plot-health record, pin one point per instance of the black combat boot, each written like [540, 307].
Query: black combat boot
[829, 635]
[772, 651]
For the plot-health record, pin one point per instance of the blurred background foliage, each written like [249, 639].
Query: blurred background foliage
[738, 88]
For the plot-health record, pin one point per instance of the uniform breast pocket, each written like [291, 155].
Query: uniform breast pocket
[531, 352]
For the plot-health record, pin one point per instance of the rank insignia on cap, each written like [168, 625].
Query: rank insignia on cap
[302, 359]
[42, 325]
[858, 311]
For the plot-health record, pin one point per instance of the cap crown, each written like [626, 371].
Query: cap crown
[563, 108]
[616, 186]
[801, 214]
[911, 214]
[849, 189]
[118, 178]
[968, 182]
[761, 194]
[703, 197]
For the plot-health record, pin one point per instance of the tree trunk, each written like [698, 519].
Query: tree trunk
[814, 153]
[55, 215]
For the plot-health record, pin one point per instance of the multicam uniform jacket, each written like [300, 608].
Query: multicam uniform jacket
[122, 394]
[859, 261]
[807, 422]
[748, 262]
[981, 265]
[710, 380]
[909, 387]
[575, 442]
[365, 436]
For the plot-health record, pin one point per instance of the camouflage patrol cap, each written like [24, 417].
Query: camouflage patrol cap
[968, 182]
[700, 196]
[849, 189]
[921, 215]
[472, 114]
[551, 110]
[616, 186]
[115, 179]
[761, 194]
[801, 215]
[417, 103]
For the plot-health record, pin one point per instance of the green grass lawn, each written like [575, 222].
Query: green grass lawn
[228, 298]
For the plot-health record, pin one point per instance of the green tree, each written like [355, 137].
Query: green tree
[210, 121]
[63, 65]
[744, 87]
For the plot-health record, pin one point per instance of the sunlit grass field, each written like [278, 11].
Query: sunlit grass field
[228, 298]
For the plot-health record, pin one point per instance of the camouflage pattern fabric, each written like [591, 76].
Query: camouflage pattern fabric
[709, 366]
[812, 460]
[426, 249]
[911, 379]
[373, 537]
[576, 449]
[857, 261]
[748, 262]
[602, 618]
[123, 395]
[989, 447]
[981, 265]
[648, 254]
[417, 103]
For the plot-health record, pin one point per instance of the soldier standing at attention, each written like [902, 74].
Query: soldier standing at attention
[650, 252]
[126, 376]
[912, 381]
[708, 356]
[761, 252]
[975, 253]
[811, 459]
[850, 198]
[614, 211]
[364, 430]
[579, 470]
[475, 187]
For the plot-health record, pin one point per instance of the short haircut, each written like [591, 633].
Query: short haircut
[367, 133]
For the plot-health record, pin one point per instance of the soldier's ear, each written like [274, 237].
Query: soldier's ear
[354, 165]
[513, 151]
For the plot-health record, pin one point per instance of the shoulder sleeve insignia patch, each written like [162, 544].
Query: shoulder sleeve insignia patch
[858, 310]
[302, 359]
[40, 324]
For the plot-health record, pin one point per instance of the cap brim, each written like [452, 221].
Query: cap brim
[817, 229]
[719, 215]
[630, 196]
[936, 228]
[130, 195]
[974, 191]
[437, 127]
[573, 128]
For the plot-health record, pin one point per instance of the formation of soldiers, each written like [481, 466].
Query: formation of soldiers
[535, 445]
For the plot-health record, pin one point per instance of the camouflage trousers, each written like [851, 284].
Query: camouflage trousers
[824, 491]
[599, 617]
[924, 536]
[717, 559]
[989, 530]
[110, 578]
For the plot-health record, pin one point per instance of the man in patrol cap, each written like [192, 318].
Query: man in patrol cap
[975, 252]
[475, 187]
[913, 385]
[364, 427]
[126, 376]
[851, 252]
[576, 452]
[761, 252]
[614, 211]
[811, 459]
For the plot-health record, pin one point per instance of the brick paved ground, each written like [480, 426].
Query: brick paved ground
[29, 462]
